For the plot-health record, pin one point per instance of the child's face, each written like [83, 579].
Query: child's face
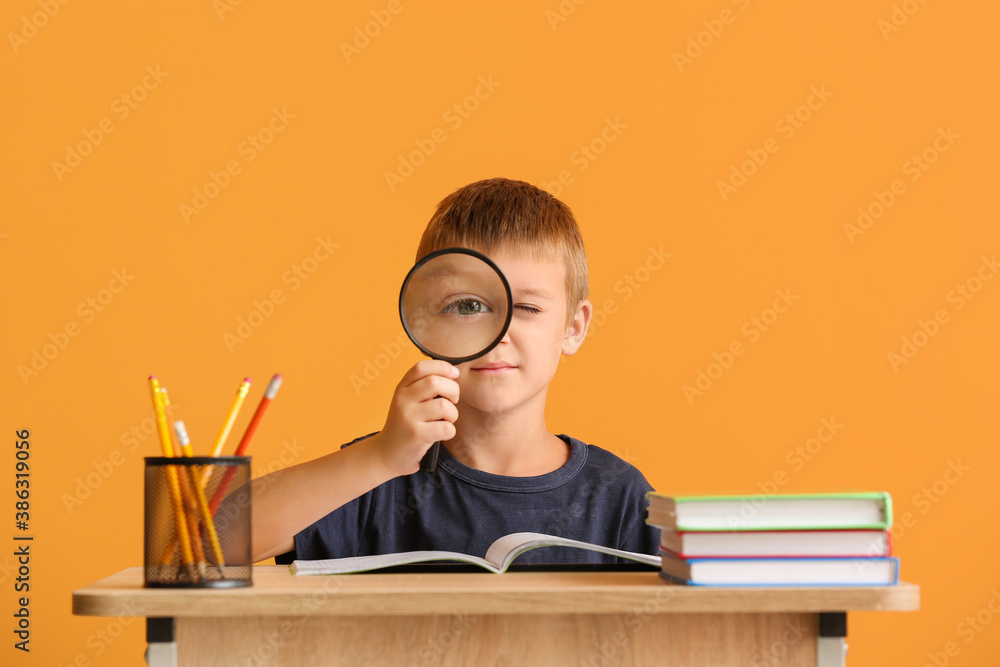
[538, 335]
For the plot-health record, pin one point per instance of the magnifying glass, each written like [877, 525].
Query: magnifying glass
[455, 305]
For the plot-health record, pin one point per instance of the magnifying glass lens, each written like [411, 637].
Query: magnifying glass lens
[455, 306]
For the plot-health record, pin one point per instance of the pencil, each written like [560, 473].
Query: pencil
[272, 390]
[227, 426]
[191, 516]
[199, 494]
[187, 497]
[166, 445]
[269, 394]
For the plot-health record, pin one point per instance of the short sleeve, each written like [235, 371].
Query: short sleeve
[339, 534]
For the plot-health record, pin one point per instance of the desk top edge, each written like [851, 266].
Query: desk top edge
[277, 592]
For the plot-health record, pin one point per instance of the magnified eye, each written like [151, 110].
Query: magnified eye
[466, 306]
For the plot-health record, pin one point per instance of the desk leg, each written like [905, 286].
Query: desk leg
[831, 644]
[161, 649]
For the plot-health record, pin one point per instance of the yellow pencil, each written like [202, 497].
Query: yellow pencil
[199, 494]
[190, 490]
[188, 499]
[227, 426]
[190, 512]
[166, 445]
[191, 516]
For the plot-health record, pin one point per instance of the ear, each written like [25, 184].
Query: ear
[577, 329]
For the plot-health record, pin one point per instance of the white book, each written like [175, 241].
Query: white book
[788, 543]
[498, 557]
[782, 571]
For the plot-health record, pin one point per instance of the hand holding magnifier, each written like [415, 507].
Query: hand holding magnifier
[455, 305]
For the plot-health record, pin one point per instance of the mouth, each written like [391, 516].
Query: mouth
[496, 367]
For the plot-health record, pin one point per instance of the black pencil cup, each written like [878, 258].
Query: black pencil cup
[197, 522]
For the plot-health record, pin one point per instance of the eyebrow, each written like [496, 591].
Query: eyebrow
[536, 291]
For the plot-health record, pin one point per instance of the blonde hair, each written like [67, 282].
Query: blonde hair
[499, 213]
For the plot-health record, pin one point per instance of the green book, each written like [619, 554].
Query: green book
[791, 511]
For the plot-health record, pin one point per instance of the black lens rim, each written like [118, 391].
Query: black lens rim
[492, 265]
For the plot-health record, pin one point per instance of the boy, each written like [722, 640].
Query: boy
[500, 470]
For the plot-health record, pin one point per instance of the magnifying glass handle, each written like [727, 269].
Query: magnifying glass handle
[430, 461]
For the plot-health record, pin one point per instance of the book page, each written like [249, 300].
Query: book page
[498, 558]
[503, 552]
[366, 563]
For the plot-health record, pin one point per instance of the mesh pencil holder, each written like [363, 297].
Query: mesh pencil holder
[197, 522]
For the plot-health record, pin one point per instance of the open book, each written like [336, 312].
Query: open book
[498, 558]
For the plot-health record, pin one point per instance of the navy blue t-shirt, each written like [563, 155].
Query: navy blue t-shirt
[594, 497]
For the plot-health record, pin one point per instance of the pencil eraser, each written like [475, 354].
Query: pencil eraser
[247, 380]
[182, 435]
[273, 386]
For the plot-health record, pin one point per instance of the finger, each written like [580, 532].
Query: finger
[436, 409]
[436, 431]
[426, 368]
[431, 387]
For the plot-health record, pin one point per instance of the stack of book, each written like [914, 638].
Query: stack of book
[818, 539]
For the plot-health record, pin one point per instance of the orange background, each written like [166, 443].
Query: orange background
[682, 128]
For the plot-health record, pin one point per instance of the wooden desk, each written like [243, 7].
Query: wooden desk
[518, 618]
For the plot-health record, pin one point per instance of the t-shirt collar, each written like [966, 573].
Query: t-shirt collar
[546, 482]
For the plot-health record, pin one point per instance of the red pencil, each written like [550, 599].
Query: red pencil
[269, 394]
